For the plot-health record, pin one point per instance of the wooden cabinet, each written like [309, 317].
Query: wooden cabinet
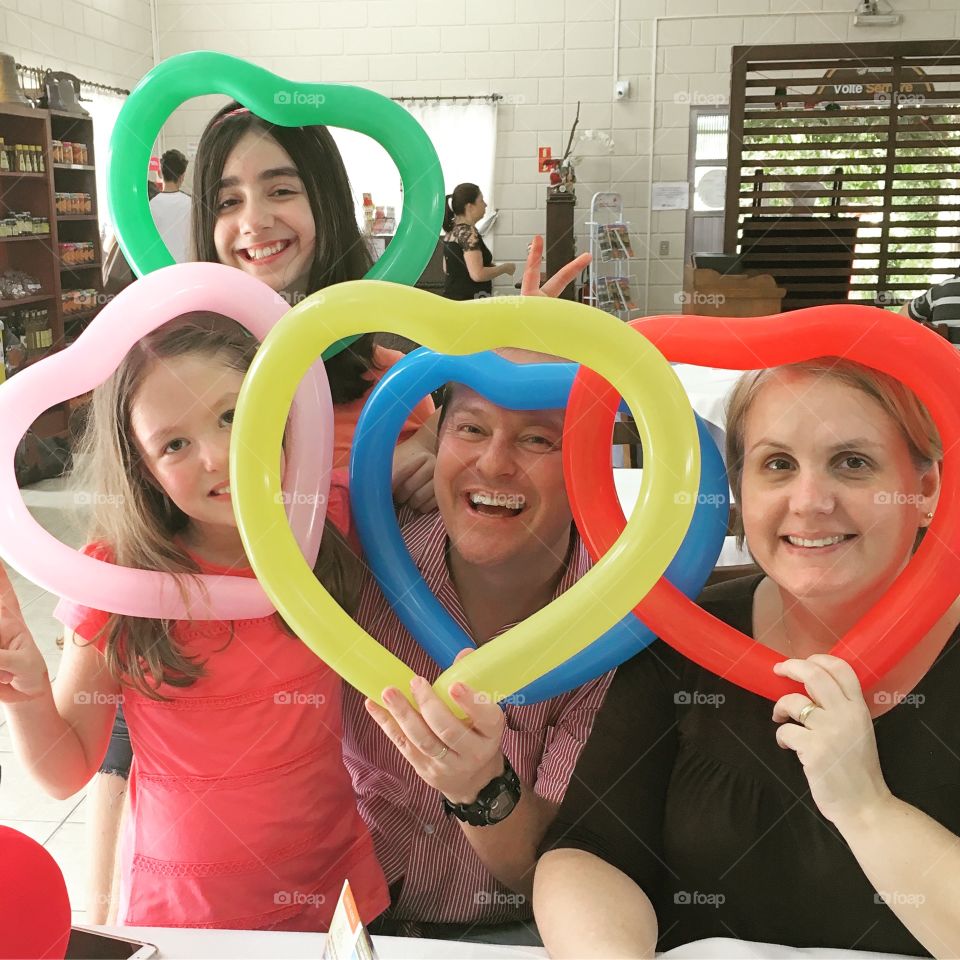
[60, 269]
[560, 243]
[707, 293]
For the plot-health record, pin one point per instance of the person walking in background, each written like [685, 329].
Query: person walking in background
[171, 207]
[467, 262]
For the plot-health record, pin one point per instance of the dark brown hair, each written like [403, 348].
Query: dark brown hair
[173, 165]
[457, 201]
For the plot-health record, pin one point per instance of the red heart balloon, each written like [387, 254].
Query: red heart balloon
[893, 344]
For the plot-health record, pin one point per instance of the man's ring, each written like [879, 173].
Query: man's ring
[442, 753]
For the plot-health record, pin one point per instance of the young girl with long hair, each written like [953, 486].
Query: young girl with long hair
[276, 202]
[241, 813]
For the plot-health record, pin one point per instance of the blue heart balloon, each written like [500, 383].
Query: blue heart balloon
[534, 386]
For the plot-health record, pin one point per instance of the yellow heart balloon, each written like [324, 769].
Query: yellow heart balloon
[591, 606]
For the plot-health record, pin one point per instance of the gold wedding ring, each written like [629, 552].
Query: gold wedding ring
[805, 712]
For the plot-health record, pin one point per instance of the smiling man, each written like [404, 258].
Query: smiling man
[457, 809]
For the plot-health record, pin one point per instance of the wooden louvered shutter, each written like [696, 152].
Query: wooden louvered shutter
[843, 177]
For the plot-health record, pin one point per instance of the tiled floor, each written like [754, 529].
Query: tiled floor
[58, 824]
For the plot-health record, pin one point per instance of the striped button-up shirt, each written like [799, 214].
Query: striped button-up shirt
[444, 880]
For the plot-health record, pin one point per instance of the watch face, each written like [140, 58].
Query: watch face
[501, 805]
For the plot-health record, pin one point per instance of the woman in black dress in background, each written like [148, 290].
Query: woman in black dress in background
[467, 262]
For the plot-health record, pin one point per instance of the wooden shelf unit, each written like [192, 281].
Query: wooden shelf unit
[75, 228]
[41, 257]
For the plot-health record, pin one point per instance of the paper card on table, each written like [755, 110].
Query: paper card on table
[347, 938]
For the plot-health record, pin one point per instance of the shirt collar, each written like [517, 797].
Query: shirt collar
[426, 539]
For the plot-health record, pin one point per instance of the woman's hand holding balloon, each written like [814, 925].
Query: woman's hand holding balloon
[831, 731]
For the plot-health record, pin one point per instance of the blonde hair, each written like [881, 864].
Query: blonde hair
[899, 402]
[138, 522]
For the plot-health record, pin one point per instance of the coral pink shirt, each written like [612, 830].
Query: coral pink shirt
[345, 415]
[242, 814]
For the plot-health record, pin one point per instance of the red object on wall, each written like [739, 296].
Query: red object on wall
[34, 906]
[543, 159]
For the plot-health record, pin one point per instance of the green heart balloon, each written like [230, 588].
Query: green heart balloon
[288, 104]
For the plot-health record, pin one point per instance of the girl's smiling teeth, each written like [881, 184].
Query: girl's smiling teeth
[263, 251]
[220, 490]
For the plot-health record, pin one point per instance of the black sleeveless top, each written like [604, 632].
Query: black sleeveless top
[682, 787]
[458, 285]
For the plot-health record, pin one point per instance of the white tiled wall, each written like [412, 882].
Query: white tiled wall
[542, 55]
[106, 41]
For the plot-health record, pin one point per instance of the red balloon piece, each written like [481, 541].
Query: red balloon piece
[894, 344]
[34, 906]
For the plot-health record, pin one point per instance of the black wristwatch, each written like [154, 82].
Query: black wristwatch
[494, 803]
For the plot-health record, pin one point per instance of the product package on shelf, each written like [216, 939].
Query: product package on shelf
[603, 242]
[620, 244]
[622, 293]
[605, 295]
[15, 284]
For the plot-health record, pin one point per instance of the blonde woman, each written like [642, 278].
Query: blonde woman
[831, 818]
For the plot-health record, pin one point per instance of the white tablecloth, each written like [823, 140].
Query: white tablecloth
[260, 945]
[244, 944]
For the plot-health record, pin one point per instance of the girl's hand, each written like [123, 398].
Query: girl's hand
[530, 286]
[413, 478]
[508, 269]
[458, 758]
[23, 671]
[835, 743]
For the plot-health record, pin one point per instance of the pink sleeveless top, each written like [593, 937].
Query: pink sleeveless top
[242, 814]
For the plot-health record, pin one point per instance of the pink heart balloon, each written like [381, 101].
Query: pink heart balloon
[140, 309]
